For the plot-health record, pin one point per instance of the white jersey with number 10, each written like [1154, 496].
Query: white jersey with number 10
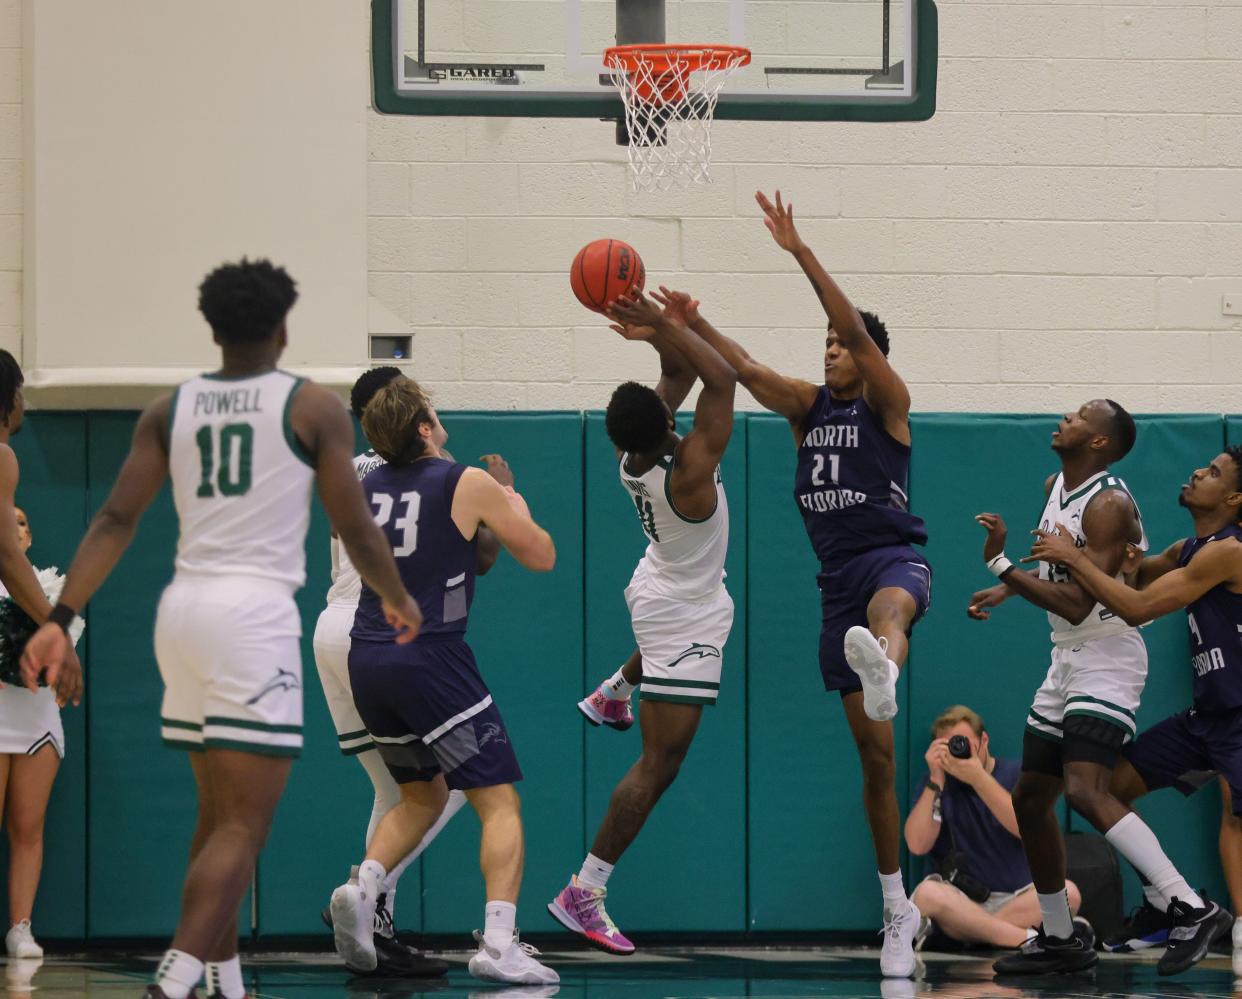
[241, 482]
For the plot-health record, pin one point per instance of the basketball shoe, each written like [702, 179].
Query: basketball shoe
[600, 709]
[868, 657]
[582, 911]
[515, 964]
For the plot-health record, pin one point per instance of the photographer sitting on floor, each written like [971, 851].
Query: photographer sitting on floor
[980, 891]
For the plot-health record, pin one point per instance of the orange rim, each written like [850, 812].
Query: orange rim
[668, 67]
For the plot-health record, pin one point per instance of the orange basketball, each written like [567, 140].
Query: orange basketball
[605, 269]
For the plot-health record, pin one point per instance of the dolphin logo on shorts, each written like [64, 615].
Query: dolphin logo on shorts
[491, 732]
[697, 650]
[284, 680]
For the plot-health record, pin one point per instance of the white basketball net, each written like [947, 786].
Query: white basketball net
[670, 95]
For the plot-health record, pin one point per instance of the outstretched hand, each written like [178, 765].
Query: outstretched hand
[678, 306]
[780, 222]
[637, 318]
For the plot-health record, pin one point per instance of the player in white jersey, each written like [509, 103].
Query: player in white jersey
[331, 645]
[1084, 711]
[679, 607]
[243, 446]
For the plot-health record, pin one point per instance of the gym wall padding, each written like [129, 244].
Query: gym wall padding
[698, 829]
[771, 785]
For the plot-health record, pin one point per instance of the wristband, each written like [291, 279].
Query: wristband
[934, 786]
[62, 616]
[1000, 565]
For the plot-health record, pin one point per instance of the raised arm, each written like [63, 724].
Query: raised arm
[323, 426]
[1219, 562]
[791, 398]
[109, 534]
[882, 386]
[480, 501]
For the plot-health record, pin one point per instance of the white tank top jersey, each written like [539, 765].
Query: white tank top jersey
[685, 557]
[346, 585]
[241, 481]
[1069, 510]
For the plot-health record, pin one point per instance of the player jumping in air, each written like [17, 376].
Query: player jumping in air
[852, 433]
[679, 608]
[1084, 711]
[243, 447]
[1203, 575]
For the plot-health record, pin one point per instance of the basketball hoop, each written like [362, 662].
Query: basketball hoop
[670, 93]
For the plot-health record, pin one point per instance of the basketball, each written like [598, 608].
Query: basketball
[604, 270]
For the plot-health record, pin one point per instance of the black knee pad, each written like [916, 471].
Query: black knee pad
[1041, 756]
[1089, 739]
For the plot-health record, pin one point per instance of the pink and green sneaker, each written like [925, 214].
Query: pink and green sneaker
[581, 910]
[600, 709]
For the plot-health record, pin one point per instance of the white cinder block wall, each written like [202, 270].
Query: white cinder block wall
[1066, 225]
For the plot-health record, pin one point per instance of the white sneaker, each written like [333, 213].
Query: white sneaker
[868, 657]
[1237, 934]
[897, 958]
[353, 927]
[516, 964]
[20, 942]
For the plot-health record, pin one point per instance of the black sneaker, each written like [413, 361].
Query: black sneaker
[1045, 955]
[395, 960]
[1194, 931]
[1145, 927]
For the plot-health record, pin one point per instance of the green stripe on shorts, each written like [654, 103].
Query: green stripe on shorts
[1075, 698]
[662, 682]
[258, 748]
[254, 726]
[649, 695]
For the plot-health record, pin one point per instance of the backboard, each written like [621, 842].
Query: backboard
[823, 60]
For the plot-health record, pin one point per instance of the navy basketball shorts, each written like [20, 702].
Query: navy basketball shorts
[429, 712]
[844, 594]
[1188, 750]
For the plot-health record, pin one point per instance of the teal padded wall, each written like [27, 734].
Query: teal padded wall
[526, 631]
[698, 829]
[773, 775]
[51, 454]
[141, 798]
[803, 776]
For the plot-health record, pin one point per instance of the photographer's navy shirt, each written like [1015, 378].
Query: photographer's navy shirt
[993, 854]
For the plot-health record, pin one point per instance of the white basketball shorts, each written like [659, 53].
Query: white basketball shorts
[1102, 677]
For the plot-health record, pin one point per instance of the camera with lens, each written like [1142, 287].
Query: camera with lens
[959, 746]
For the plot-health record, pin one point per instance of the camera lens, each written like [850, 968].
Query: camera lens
[959, 746]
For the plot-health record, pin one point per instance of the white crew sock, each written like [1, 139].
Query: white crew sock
[1154, 898]
[1135, 841]
[451, 807]
[499, 918]
[178, 973]
[617, 687]
[1058, 922]
[894, 890]
[225, 978]
[371, 875]
[595, 873]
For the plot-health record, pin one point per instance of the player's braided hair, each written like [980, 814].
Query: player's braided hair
[368, 383]
[636, 418]
[11, 379]
[392, 418]
[246, 301]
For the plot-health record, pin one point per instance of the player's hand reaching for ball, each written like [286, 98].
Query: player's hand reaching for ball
[406, 619]
[637, 317]
[994, 544]
[780, 222]
[678, 306]
[496, 466]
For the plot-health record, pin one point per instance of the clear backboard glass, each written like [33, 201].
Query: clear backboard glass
[821, 59]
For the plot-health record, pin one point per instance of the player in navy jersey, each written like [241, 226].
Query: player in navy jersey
[428, 710]
[1202, 574]
[852, 432]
